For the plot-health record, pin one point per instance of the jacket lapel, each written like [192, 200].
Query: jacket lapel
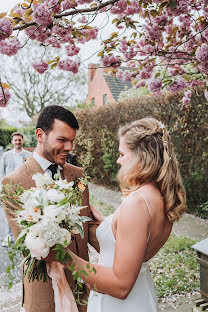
[32, 167]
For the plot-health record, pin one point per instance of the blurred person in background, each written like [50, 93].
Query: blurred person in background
[10, 160]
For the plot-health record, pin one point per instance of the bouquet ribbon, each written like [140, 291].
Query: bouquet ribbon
[63, 296]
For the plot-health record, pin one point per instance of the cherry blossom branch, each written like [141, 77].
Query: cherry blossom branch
[74, 12]
[2, 89]
[25, 8]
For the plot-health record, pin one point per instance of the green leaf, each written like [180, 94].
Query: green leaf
[173, 4]
[83, 272]
[115, 20]
[80, 229]
[94, 270]
[54, 65]
[10, 284]
[162, 5]
[3, 14]
[8, 269]
[154, 13]
[101, 53]
[63, 201]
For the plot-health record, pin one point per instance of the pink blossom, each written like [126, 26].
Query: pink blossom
[202, 53]
[84, 1]
[5, 28]
[69, 65]
[82, 19]
[69, 4]
[127, 75]
[173, 71]
[145, 74]
[19, 10]
[40, 67]
[149, 48]
[132, 8]
[7, 97]
[182, 7]
[153, 33]
[65, 33]
[40, 33]
[111, 60]
[42, 15]
[119, 7]
[196, 83]
[186, 100]
[188, 93]
[72, 50]
[53, 5]
[54, 42]
[140, 84]
[178, 85]
[10, 46]
[155, 85]
[119, 74]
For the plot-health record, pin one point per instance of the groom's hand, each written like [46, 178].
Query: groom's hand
[96, 214]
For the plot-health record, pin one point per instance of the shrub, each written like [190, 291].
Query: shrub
[97, 141]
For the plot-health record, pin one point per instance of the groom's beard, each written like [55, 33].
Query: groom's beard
[54, 155]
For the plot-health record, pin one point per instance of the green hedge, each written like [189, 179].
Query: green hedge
[5, 135]
[29, 136]
[97, 142]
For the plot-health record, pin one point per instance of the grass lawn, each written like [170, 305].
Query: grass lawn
[174, 269]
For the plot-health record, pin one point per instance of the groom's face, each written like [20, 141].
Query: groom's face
[58, 142]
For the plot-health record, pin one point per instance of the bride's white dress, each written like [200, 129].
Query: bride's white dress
[142, 297]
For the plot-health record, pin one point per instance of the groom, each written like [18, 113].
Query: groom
[55, 132]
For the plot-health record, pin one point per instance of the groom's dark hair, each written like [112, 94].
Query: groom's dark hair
[52, 112]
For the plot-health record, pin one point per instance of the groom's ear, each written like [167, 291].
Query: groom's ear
[40, 135]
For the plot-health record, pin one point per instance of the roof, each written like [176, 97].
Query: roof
[116, 85]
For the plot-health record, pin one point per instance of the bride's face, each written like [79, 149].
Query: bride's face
[125, 153]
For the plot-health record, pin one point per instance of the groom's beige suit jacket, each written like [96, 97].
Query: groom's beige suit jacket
[38, 296]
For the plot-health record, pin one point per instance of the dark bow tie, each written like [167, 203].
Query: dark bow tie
[53, 168]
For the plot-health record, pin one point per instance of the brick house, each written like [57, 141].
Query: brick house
[102, 88]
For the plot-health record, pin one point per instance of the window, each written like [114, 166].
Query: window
[92, 101]
[105, 99]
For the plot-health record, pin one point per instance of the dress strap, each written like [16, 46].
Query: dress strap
[148, 208]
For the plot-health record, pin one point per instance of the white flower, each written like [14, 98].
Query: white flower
[66, 236]
[54, 195]
[33, 198]
[30, 215]
[63, 184]
[42, 179]
[75, 230]
[36, 245]
[161, 125]
[54, 213]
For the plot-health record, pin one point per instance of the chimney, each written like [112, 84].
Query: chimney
[91, 72]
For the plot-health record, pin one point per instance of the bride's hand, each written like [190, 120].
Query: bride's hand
[96, 214]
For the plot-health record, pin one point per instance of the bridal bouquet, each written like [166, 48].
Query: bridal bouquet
[48, 216]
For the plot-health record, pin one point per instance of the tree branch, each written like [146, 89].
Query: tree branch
[58, 16]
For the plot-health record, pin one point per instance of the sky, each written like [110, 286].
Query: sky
[7, 4]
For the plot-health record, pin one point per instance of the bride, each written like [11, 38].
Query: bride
[153, 198]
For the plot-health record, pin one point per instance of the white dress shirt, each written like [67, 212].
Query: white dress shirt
[45, 163]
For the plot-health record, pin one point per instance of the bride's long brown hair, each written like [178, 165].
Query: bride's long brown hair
[153, 160]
